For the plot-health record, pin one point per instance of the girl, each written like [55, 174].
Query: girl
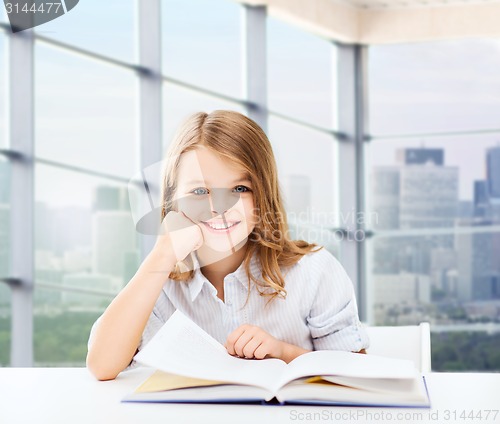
[225, 259]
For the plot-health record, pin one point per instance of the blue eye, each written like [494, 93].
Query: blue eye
[241, 189]
[200, 191]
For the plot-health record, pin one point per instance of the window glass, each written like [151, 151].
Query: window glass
[300, 74]
[4, 217]
[434, 87]
[5, 324]
[434, 207]
[307, 171]
[86, 113]
[3, 90]
[103, 27]
[201, 44]
[440, 182]
[62, 323]
[85, 236]
[179, 103]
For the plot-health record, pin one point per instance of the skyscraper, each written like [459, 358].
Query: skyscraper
[421, 156]
[493, 173]
[420, 193]
[478, 265]
[113, 238]
[428, 196]
[481, 198]
[110, 198]
[385, 196]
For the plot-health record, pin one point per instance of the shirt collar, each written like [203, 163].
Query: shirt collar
[199, 280]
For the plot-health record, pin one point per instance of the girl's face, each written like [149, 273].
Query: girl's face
[217, 196]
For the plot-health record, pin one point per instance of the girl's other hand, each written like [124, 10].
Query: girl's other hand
[252, 342]
[179, 236]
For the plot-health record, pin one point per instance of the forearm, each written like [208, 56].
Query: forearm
[121, 326]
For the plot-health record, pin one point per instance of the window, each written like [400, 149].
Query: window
[103, 27]
[179, 103]
[201, 44]
[3, 15]
[86, 250]
[434, 87]
[434, 199]
[5, 325]
[307, 164]
[62, 323]
[4, 216]
[3, 90]
[85, 112]
[5, 295]
[300, 74]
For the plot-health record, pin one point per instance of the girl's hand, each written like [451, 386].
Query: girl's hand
[249, 341]
[179, 236]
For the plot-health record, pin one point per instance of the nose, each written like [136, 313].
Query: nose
[222, 199]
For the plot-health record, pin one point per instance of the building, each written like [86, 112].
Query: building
[421, 193]
[390, 289]
[481, 198]
[477, 258]
[493, 173]
[428, 196]
[113, 238]
[421, 156]
[385, 197]
[110, 198]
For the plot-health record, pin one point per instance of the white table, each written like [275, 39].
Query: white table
[73, 395]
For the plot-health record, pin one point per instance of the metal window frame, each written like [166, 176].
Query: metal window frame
[352, 123]
[21, 140]
[254, 31]
[150, 100]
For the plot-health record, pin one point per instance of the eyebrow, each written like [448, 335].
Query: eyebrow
[239, 180]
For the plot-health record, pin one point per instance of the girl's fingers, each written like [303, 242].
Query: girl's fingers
[261, 351]
[245, 337]
[232, 338]
[250, 347]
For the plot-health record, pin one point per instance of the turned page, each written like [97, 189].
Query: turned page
[347, 364]
[182, 347]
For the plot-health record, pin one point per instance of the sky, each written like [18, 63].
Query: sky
[87, 111]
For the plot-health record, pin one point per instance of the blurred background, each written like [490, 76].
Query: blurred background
[385, 122]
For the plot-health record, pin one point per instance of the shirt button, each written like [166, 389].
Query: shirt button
[229, 303]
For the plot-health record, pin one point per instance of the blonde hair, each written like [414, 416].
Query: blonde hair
[239, 139]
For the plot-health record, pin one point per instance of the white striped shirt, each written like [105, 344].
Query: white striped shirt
[319, 312]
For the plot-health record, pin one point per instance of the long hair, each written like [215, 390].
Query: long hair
[241, 141]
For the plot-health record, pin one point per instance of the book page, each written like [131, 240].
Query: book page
[161, 380]
[348, 364]
[401, 387]
[182, 347]
[307, 391]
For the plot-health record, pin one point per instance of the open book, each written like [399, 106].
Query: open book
[193, 367]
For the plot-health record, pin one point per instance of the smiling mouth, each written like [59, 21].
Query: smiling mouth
[220, 225]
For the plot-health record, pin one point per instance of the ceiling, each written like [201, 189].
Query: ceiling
[389, 21]
[405, 4]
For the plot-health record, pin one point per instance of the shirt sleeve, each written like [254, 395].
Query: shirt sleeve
[333, 319]
[152, 326]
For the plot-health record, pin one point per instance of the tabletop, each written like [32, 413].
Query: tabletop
[73, 396]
